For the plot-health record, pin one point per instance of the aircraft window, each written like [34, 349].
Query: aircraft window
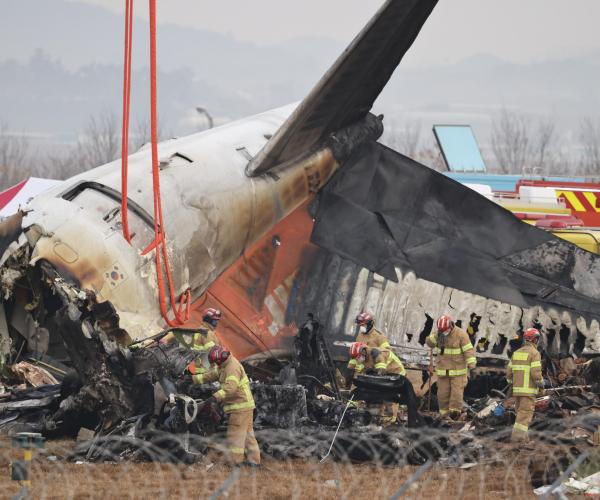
[106, 204]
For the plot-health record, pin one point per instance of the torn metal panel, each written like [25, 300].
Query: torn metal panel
[10, 229]
[378, 389]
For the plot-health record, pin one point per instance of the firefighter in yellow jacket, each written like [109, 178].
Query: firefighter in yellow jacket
[238, 403]
[204, 339]
[385, 362]
[455, 359]
[369, 335]
[525, 373]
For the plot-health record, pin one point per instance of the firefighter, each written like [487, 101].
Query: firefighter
[524, 372]
[204, 339]
[238, 403]
[369, 335]
[385, 362]
[455, 361]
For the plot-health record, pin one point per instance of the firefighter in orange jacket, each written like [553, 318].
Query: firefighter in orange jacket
[525, 373]
[204, 339]
[455, 360]
[238, 403]
[385, 362]
[369, 335]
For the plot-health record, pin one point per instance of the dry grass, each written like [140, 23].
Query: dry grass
[292, 479]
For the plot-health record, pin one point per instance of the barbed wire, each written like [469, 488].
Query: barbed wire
[367, 460]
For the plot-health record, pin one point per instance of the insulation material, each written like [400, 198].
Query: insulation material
[34, 375]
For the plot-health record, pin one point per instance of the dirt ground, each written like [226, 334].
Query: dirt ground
[53, 478]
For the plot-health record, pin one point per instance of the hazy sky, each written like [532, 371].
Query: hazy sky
[517, 30]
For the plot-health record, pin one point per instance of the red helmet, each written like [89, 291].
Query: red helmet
[444, 323]
[217, 355]
[531, 335]
[363, 318]
[211, 313]
[356, 349]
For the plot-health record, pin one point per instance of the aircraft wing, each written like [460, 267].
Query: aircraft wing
[347, 91]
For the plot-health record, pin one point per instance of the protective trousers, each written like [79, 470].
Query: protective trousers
[450, 393]
[240, 438]
[524, 408]
[388, 413]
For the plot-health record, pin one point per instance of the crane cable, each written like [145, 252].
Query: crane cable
[181, 308]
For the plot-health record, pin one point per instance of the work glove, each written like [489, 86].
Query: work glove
[543, 384]
[471, 373]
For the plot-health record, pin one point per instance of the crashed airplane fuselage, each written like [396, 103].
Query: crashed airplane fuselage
[221, 191]
[213, 211]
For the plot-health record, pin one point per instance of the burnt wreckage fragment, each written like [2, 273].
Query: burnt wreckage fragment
[448, 234]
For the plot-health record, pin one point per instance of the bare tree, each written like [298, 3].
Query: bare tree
[410, 138]
[544, 145]
[100, 143]
[63, 165]
[140, 135]
[511, 141]
[405, 139]
[429, 154]
[589, 135]
[16, 159]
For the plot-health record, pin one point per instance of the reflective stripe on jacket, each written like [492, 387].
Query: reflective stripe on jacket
[353, 364]
[234, 393]
[373, 338]
[456, 356]
[205, 338]
[389, 363]
[525, 370]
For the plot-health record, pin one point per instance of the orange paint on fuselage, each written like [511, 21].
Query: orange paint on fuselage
[258, 292]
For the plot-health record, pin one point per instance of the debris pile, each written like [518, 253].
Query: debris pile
[301, 412]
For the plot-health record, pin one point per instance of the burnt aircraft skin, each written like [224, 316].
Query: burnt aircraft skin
[213, 211]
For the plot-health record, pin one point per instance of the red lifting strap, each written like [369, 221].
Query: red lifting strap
[126, 107]
[181, 308]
